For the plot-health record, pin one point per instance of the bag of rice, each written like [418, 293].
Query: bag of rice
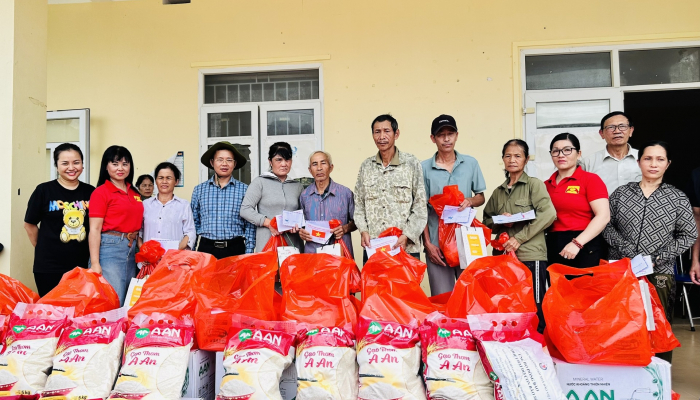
[326, 367]
[30, 343]
[88, 357]
[156, 353]
[514, 358]
[388, 354]
[257, 352]
[453, 370]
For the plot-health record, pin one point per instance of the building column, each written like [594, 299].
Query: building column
[23, 37]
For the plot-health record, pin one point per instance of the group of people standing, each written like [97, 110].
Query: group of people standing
[610, 205]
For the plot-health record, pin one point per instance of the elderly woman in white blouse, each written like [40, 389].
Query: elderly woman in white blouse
[166, 216]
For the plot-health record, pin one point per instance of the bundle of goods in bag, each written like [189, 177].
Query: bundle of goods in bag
[450, 196]
[493, 284]
[597, 316]
[325, 364]
[389, 356]
[30, 343]
[150, 253]
[243, 285]
[257, 352]
[12, 292]
[170, 286]
[355, 278]
[453, 369]
[87, 358]
[156, 354]
[315, 290]
[84, 289]
[391, 288]
[515, 356]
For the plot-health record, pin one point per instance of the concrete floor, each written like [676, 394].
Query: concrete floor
[685, 371]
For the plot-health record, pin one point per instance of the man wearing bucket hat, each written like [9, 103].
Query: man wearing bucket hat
[216, 206]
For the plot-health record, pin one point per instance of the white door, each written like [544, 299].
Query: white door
[550, 112]
[297, 123]
[68, 126]
[237, 124]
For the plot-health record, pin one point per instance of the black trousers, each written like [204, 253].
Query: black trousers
[46, 281]
[589, 256]
[539, 285]
[221, 248]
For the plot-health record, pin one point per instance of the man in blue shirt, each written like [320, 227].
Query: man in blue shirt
[447, 167]
[216, 206]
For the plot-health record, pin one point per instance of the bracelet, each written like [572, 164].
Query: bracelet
[577, 244]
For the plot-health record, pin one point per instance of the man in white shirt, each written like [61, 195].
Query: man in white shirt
[617, 163]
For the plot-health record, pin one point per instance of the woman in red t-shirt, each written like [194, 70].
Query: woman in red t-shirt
[116, 215]
[583, 211]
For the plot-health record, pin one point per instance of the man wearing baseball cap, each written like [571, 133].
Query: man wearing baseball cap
[216, 206]
[447, 167]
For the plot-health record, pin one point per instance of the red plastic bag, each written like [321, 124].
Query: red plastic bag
[393, 231]
[243, 285]
[440, 301]
[391, 289]
[149, 254]
[451, 196]
[596, 315]
[12, 292]
[315, 290]
[169, 288]
[87, 291]
[494, 284]
[662, 338]
[275, 241]
[355, 278]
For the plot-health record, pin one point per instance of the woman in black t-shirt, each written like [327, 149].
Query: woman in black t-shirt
[61, 206]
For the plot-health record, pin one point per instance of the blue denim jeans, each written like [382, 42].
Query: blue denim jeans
[117, 262]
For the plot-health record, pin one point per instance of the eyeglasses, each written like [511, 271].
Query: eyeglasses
[565, 151]
[224, 160]
[621, 127]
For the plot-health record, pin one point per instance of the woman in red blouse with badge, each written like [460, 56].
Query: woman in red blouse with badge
[116, 215]
[583, 211]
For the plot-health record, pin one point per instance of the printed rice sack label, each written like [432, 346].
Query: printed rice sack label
[326, 366]
[156, 353]
[388, 355]
[30, 343]
[453, 369]
[514, 357]
[254, 360]
[87, 358]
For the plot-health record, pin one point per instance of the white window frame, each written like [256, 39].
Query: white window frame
[83, 115]
[205, 109]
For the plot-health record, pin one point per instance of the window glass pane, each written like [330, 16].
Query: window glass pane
[565, 71]
[261, 86]
[63, 130]
[650, 67]
[242, 174]
[290, 122]
[570, 114]
[229, 124]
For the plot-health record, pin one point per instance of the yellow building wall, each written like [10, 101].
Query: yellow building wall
[130, 62]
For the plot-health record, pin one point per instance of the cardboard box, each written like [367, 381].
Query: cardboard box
[199, 380]
[609, 382]
[288, 383]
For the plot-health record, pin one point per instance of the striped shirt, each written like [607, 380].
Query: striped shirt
[216, 212]
[336, 202]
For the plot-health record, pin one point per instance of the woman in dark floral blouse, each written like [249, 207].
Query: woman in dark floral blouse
[652, 218]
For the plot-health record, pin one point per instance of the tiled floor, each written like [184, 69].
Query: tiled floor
[685, 371]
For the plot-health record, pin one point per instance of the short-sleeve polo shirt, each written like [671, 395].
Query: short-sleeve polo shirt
[122, 211]
[572, 198]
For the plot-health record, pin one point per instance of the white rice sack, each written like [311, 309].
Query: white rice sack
[30, 344]
[88, 357]
[388, 355]
[514, 358]
[326, 366]
[157, 350]
[256, 354]
[453, 369]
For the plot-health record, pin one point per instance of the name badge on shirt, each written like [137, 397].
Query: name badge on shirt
[573, 189]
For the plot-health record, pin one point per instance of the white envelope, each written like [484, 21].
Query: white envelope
[291, 218]
[168, 244]
[502, 219]
[451, 216]
[383, 244]
[281, 227]
[320, 231]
